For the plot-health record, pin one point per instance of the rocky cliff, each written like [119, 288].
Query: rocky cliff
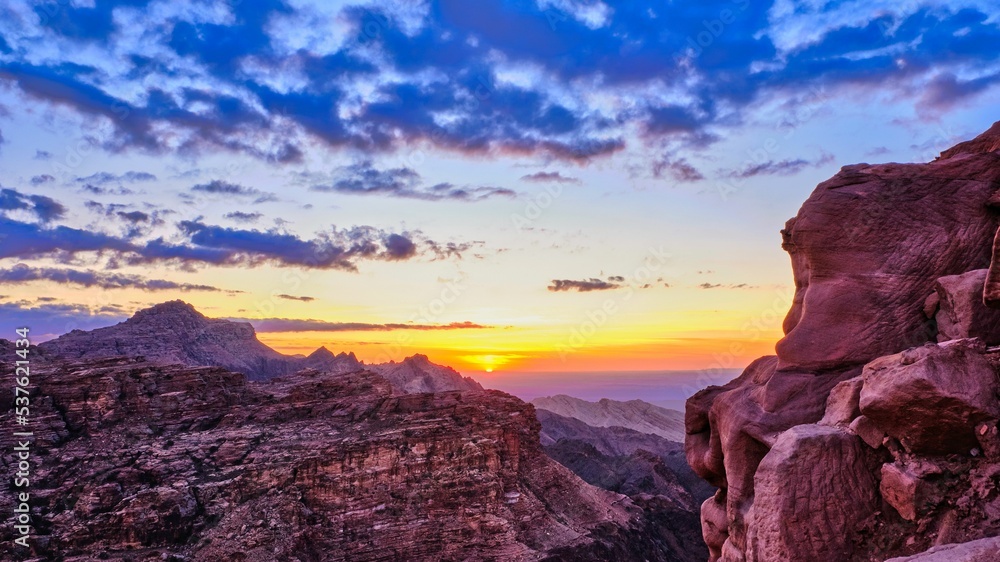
[872, 432]
[135, 460]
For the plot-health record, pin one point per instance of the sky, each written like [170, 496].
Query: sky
[537, 185]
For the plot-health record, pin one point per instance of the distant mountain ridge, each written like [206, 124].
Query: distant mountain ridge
[633, 414]
[174, 332]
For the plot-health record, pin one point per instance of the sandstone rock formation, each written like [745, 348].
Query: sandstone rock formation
[633, 414]
[136, 460]
[864, 438]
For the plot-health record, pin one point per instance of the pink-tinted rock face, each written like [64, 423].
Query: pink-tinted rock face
[867, 248]
[140, 461]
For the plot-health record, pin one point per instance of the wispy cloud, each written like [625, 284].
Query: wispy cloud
[293, 325]
[22, 274]
[364, 179]
[586, 285]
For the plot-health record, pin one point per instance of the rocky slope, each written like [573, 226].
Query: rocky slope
[633, 414]
[175, 333]
[873, 431]
[136, 460]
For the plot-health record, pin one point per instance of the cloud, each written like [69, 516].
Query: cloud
[42, 179]
[679, 169]
[294, 298]
[779, 167]
[262, 79]
[21, 274]
[49, 320]
[44, 208]
[225, 188]
[293, 325]
[196, 243]
[586, 285]
[544, 177]
[43, 155]
[104, 178]
[240, 216]
[363, 179]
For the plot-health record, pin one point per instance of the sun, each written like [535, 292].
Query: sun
[489, 369]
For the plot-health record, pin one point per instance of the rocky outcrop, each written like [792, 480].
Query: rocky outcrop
[417, 374]
[887, 261]
[633, 414]
[135, 460]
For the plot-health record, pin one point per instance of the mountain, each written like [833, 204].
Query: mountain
[417, 374]
[605, 454]
[137, 460]
[873, 431]
[633, 414]
[174, 332]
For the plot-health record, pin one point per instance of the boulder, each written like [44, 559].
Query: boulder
[961, 312]
[931, 398]
[843, 405]
[815, 490]
[908, 493]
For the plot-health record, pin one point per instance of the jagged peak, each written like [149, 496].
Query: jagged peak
[321, 351]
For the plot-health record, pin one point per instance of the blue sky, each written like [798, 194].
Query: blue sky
[361, 157]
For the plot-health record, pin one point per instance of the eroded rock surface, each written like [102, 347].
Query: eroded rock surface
[142, 461]
[914, 425]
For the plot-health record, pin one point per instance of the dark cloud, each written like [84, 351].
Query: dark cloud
[240, 216]
[21, 274]
[679, 169]
[49, 320]
[779, 167]
[98, 190]
[544, 177]
[364, 179]
[42, 179]
[585, 285]
[709, 285]
[42, 155]
[294, 298]
[104, 178]
[293, 325]
[225, 188]
[45, 208]
[203, 244]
